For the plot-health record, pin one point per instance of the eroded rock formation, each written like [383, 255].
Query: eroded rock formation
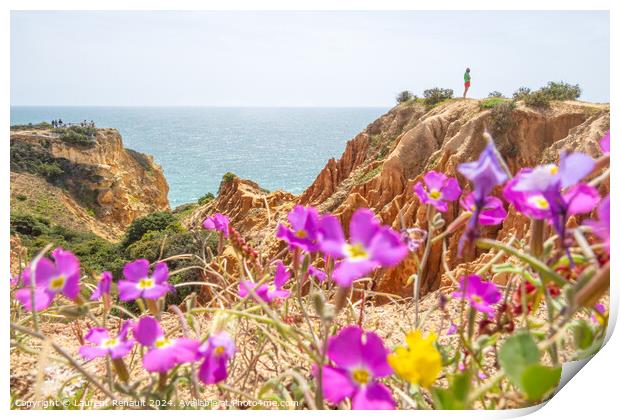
[381, 164]
[100, 187]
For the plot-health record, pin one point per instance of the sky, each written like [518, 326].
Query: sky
[281, 59]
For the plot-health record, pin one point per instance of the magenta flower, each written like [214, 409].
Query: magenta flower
[370, 246]
[559, 187]
[139, 284]
[217, 222]
[605, 144]
[163, 353]
[268, 292]
[439, 190]
[105, 345]
[61, 276]
[317, 273]
[601, 227]
[103, 287]
[492, 212]
[360, 358]
[217, 351]
[532, 204]
[304, 231]
[480, 294]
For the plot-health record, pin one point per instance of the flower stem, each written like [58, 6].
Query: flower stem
[161, 383]
[427, 251]
[121, 369]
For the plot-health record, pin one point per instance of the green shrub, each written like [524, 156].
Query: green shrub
[95, 254]
[537, 99]
[157, 221]
[226, 179]
[491, 102]
[404, 96]
[561, 91]
[27, 224]
[436, 95]
[34, 159]
[206, 198]
[501, 116]
[553, 91]
[77, 135]
[521, 93]
[30, 126]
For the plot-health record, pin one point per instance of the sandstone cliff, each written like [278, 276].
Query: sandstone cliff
[97, 187]
[381, 164]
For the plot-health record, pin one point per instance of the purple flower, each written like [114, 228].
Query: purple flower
[484, 173]
[413, 237]
[317, 273]
[439, 190]
[370, 246]
[304, 231]
[268, 293]
[163, 353]
[103, 287]
[139, 284]
[452, 329]
[492, 211]
[532, 204]
[360, 358]
[217, 351]
[61, 276]
[605, 144]
[480, 294]
[601, 227]
[117, 347]
[560, 188]
[217, 222]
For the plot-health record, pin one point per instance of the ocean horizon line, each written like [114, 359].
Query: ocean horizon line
[209, 106]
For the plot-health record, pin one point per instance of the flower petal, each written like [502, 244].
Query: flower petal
[336, 384]
[374, 396]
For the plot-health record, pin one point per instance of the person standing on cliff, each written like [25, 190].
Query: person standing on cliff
[467, 78]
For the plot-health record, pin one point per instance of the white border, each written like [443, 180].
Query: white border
[593, 395]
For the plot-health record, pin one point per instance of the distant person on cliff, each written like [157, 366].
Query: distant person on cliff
[467, 78]
[59, 123]
[53, 123]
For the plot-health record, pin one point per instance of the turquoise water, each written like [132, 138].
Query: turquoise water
[280, 148]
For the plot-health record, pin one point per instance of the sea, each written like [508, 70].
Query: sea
[280, 148]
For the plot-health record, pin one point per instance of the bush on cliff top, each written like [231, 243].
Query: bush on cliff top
[434, 96]
[30, 126]
[405, 96]
[77, 135]
[553, 91]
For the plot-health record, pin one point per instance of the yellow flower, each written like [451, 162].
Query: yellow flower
[419, 362]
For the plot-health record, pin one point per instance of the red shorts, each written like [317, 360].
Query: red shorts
[467, 84]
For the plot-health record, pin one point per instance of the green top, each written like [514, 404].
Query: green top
[467, 77]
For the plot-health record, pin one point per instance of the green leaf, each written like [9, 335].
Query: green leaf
[455, 396]
[517, 353]
[538, 380]
[582, 333]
